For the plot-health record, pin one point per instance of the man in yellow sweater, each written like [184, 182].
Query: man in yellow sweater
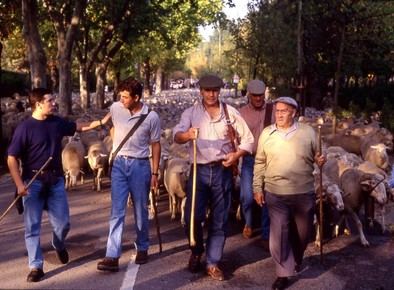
[283, 180]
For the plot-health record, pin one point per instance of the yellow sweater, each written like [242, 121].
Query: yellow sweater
[285, 166]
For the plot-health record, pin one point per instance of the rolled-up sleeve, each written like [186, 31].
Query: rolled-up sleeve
[184, 123]
[246, 137]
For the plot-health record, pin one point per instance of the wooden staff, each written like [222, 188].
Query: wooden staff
[192, 238]
[27, 186]
[154, 192]
[321, 198]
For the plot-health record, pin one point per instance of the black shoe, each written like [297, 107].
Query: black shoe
[265, 244]
[194, 263]
[280, 283]
[298, 268]
[35, 275]
[108, 264]
[142, 257]
[62, 255]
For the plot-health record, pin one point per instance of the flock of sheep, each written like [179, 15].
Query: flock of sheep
[357, 165]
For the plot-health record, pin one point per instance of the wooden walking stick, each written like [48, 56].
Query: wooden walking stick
[192, 238]
[154, 192]
[321, 197]
[26, 187]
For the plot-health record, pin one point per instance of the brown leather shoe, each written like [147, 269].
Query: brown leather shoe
[247, 232]
[215, 273]
[108, 264]
[35, 275]
[142, 257]
[194, 263]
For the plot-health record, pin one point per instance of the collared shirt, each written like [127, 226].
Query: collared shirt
[148, 132]
[285, 134]
[213, 142]
[255, 119]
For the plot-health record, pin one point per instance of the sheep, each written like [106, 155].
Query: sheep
[376, 154]
[354, 183]
[72, 161]
[175, 180]
[333, 193]
[97, 158]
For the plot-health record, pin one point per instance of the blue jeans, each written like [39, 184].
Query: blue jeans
[58, 215]
[246, 196]
[213, 189]
[129, 176]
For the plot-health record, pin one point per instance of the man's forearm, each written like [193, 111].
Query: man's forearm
[13, 166]
[181, 137]
[156, 151]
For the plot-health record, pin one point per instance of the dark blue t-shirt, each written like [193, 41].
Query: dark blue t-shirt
[34, 141]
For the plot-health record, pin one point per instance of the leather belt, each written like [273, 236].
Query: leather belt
[213, 163]
[132, 157]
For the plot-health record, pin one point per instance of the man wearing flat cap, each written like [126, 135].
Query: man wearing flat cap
[258, 115]
[283, 180]
[206, 122]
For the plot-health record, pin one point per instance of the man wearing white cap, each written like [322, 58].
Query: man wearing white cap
[283, 180]
[206, 123]
[258, 115]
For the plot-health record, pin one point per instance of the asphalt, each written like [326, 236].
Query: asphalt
[247, 265]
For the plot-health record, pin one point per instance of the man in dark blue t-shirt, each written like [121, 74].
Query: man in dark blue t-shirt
[34, 141]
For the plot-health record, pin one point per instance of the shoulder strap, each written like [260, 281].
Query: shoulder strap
[231, 129]
[131, 132]
[268, 114]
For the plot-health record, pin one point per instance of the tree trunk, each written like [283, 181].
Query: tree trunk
[159, 79]
[339, 65]
[256, 63]
[54, 76]
[35, 50]
[66, 30]
[147, 88]
[116, 83]
[84, 86]
[1, 52]
[65, 86]
[101, 70]
[300, 57]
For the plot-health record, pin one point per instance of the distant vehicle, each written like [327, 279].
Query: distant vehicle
[177, 84]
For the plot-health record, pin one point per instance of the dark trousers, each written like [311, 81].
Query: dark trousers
[213, 190]
[291, 226]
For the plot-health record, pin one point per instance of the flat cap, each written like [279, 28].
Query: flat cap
[210, 82]
[256, 87]
[287, 100]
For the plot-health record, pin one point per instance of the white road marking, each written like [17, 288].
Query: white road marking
[130, 275]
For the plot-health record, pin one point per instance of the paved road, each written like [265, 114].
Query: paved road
[346, 265]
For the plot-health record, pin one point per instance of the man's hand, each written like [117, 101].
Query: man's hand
[21, 190]
[230, 159]
[192, 133]
[154, 183]
[320, 159]
[259, 198]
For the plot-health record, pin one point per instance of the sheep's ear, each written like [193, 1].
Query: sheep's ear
[366, 185]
